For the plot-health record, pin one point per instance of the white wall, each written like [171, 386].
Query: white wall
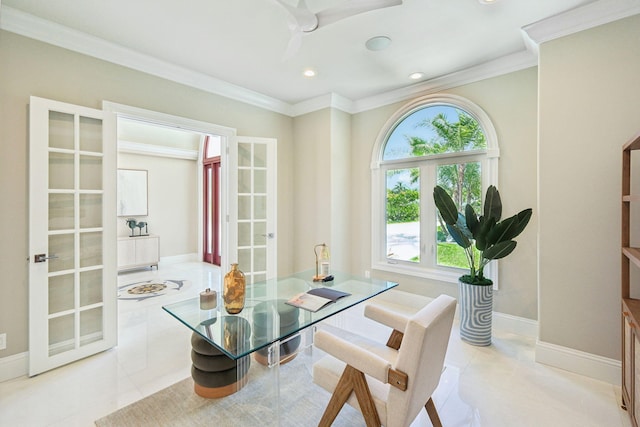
[172, 201]
[341, 190]
[312, 185]
[589, 92]
[323, 188]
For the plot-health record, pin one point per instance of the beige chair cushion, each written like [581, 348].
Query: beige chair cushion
[421, 357]
[394, 308]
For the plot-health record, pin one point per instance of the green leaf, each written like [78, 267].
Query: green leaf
[502, 231]
[486, 225]
[461, 224]
[492, 204]
[523, 218]
[445, 205]
[500, 250]
[471, 219]
[458, 236]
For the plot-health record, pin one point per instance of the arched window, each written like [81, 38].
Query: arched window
[441, 140]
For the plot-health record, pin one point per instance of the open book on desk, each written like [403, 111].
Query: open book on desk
[315, 299]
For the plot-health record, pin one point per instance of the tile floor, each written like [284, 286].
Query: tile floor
[492, 386]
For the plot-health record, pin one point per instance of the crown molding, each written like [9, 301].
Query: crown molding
[579, 19]
[504, 65]
[330, 100]
[49, 32]
[575, 20]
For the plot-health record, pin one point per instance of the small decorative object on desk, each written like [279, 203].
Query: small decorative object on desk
[234, 290]
[208, 299]
[322, 262]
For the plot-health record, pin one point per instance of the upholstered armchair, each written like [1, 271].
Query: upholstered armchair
[389, 384]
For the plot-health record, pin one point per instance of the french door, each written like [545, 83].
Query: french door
[72, 267]
[251, 170]
[211, 198]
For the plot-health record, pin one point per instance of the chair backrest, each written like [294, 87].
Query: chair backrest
[421, 357]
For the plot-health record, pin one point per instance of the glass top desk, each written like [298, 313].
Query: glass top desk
[267, 330]
[266, 319]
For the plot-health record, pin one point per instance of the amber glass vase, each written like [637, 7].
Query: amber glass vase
[234, 290]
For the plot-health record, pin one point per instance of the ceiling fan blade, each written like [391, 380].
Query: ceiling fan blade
[303, 16]
[351, 8]
[295, 42]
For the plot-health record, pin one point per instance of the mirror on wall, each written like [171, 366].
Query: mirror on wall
[132, 192]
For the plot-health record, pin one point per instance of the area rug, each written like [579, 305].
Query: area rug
[302, 404]
[140, 291]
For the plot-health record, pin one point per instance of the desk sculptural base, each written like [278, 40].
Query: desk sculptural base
[264, 319]
[214, 373]
[268, 329]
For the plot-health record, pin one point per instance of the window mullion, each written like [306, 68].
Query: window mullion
[427, 214]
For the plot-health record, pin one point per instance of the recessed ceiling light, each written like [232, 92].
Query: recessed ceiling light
[378, 43]
[416, 76]
[309, 73]
[487, 1]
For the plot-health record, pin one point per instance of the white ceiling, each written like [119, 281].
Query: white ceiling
[243, 41]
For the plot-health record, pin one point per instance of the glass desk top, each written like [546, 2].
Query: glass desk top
[266, 318]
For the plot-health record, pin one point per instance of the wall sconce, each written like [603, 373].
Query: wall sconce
[322, 262]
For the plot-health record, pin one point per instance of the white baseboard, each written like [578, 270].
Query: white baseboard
[579, 362]
[14, 366]
[174, 259]
[516, 325]
[576, 361]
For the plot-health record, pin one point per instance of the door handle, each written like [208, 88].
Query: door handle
[43, 257]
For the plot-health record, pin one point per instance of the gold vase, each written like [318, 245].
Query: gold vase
[234, 290]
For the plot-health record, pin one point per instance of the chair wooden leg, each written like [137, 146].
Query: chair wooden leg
[433, 414]
[365, 400]
[351, 380]
[338, 399]
[395, 339]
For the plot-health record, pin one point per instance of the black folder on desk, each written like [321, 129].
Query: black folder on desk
[328, 293]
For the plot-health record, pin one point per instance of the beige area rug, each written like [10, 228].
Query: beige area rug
[303, 403]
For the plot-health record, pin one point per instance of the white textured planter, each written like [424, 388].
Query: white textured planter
[476, 307]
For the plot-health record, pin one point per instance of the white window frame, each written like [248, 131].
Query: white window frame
[489, 166]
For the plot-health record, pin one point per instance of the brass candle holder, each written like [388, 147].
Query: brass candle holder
[322, 262]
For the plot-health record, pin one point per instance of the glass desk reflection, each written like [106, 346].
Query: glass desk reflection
[267, 328]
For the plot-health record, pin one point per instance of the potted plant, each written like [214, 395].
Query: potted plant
[483, 238]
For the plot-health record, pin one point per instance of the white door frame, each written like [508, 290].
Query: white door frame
[113, 111]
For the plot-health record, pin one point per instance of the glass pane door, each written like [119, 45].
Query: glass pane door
[67, 205]
[254, 213]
